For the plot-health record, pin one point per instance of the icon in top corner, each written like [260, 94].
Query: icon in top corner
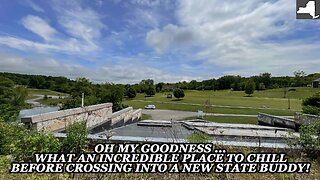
[308, 9]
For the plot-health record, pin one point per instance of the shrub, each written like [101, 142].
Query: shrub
[311, 105]
[249, 87]
[35, 142]
[198, 137]
[76, 140]
[22, 143]
[309, 138]
[178, 93]
[131, 93]
[150, 91]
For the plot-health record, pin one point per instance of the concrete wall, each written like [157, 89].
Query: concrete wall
[305, 118]
[125, 116]
[56, 121]
[266, 119]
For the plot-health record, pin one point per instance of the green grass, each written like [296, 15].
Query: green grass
[52, 102]
[182, 107]
[31, 96]
[271, 101]
[229, 119]
[146, 116]
[45, 92]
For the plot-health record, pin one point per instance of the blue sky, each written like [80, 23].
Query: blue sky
[125, 41]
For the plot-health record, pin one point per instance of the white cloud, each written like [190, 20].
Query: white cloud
[115, 72]
[34, 6]
[231, 34]
[39, 26]
[80, 22]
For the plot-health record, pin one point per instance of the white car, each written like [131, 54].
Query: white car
[150, 106]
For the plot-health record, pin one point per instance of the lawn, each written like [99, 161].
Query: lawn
[229, 119]
[268, 101]
[45, 92]
[52, 102]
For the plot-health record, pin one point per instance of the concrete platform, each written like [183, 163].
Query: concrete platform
[161, 123]
[202, 123]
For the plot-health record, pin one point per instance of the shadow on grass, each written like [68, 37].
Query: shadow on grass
[176, 99]
[247, 96]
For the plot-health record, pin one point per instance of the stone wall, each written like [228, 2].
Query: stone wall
[136, 115]
[305, 118]
[276, 121]
[125, 116]
[119, 118]
[57, 121]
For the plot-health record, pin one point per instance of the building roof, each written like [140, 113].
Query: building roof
[316, 80]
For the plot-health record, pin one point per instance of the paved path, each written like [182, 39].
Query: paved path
[179, 115]
[194, 104]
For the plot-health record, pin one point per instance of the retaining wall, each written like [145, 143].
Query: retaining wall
[305, 118]
[270, 120]
[58, 120]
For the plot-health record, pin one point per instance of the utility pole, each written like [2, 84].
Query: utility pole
[82, 100]
[288, 102]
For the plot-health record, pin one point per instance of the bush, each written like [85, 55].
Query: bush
[249, 87]
[309, 138]
[150, 91]
[198, 137]
[131, 93]
[178, 93]
[22, 143]
[76, 140]
[311, 105]
[35, 142]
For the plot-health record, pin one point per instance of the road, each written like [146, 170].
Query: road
[220, 106]
[34, 101]
[179, 115]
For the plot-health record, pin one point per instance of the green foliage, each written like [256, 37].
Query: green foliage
[8, 112]
[311, 105]
[131, 93]
[82, 85]
[150, 90]
[112, 93]
[12, 99]
[10, 133]
[309, 138]
[249, 87]
[76, 140]
[178, 93]
[35, 142]
[262, 86]
[198, 137]
[159, 87]
[21, 143]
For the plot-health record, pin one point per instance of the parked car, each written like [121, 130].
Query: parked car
[150, 106]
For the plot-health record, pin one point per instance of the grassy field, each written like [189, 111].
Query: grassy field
[268, 101]
[52, 102]
[45, 92]
[229, 119]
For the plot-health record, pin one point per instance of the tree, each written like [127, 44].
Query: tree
[131, 93]
[311, 105]
[262, 86]
[178, 93]
[299, 79]
[249, 87]
[150, 91]
[159, 86]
